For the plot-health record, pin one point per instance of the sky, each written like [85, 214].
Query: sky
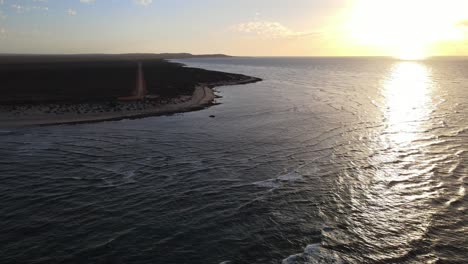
[400, 28]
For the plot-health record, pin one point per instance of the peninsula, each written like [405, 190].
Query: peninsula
[58, 89]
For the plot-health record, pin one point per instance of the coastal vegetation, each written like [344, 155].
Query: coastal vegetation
[37, 89]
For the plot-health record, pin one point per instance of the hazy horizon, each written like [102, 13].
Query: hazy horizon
[243, 28]
[389, 57]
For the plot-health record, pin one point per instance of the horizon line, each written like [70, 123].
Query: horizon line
[223, 54]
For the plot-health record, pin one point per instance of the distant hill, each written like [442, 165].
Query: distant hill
[52, 58]
[188, 55]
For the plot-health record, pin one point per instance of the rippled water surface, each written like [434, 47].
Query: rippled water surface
[326, 161]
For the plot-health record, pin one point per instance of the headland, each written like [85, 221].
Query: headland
[61, 89]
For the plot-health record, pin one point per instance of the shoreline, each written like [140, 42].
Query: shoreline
[202, 97]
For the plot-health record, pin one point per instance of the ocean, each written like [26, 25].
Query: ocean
[328, 160]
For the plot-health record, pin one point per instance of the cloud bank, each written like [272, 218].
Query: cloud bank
[139, 2]
[143, 2]
[463, 23]
[269, 29]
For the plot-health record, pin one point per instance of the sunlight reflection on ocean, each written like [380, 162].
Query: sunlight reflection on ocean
[328, 160]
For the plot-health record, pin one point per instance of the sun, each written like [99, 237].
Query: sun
[408, 54]
[405, 29]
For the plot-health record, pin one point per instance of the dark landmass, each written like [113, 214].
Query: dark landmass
[173, 79]
[65, 81]
[51, 58]
[38, 88]
[78, 78]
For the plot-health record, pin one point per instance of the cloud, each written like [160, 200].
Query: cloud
[3, 33]
[270, 29]
[26, 8]
[139, 2]
[18, 8]
[463, 23]
[143, 2]
[72, 12]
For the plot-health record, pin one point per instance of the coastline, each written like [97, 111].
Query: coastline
[202, 97]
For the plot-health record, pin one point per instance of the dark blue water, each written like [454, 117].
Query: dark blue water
[328, 160]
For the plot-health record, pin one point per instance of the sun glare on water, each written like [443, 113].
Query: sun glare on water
[406, 29]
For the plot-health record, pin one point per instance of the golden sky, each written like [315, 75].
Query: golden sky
[408, 29]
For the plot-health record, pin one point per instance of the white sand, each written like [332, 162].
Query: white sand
[35, 115]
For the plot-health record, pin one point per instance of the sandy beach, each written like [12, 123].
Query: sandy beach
[53, 114]
[72, 90]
